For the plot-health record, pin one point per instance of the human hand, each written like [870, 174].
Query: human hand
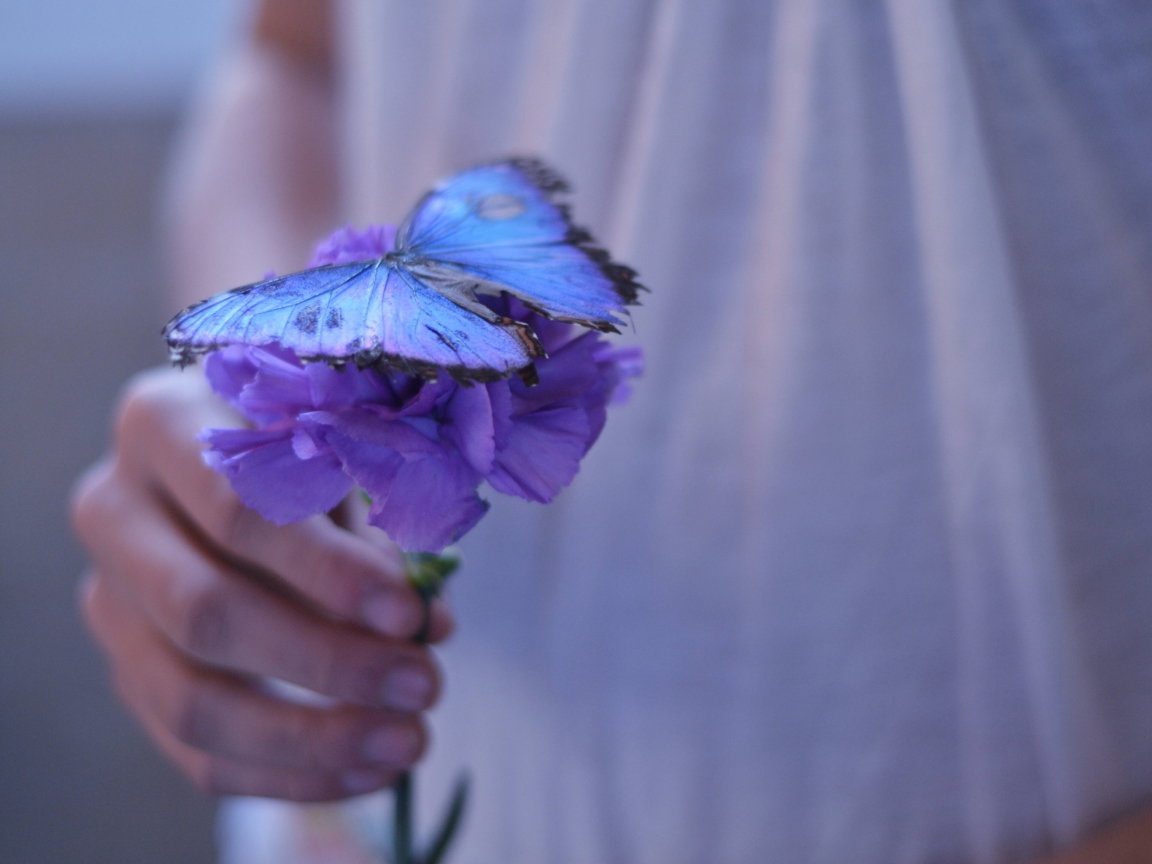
[197, 602]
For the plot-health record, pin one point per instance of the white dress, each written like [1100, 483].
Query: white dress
[863, 574]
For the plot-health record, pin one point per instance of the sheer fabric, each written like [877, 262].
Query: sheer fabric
[862, 572]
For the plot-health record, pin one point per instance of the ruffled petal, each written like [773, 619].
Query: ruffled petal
[542, 454]
[500, 398]
[629, 359]
[469, 425]
[360, 424]
[423, 502]
[430, 394]
[279, 390]
[268, 476]
[228, 371]
[308, 441]
[347, 244]
[572, 371]
[331, 389]
[627, 362]
[433, 504]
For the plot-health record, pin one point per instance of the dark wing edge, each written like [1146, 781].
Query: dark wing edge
[554, 188]
[182, 354]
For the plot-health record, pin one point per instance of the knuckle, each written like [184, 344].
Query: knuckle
[329, 565]
[192, 719]
[292, 736]
[204, 618]
[324, 667]
[86, 597]
[140, 400]
[201, 778]
[302, 791]
[355, 672]
[125, 692]
[214, 777]
[419, 730]
[370, 677]
[304, 788]
[289, 743]
[230, 523]
[220, 777]
[90, 500]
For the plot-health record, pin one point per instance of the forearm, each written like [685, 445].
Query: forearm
[254, 182]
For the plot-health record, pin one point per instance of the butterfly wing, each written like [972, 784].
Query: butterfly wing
[504, 224]
[365, 312]
[489, 230]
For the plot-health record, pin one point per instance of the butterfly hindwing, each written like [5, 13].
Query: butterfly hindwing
[501, 222]
[422, 324]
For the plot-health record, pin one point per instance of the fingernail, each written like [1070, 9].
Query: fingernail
[407, 689]
[359, 782]
[389, 614]
[392, 745]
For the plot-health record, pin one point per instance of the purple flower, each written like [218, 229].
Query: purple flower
[418, 447]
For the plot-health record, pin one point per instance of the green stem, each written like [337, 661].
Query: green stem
[402, 821]
[427, 573]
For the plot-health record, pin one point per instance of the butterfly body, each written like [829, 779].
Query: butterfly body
[492, 230]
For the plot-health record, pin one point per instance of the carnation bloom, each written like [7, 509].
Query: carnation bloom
[418, 447]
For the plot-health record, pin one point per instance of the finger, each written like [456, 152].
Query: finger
[352, 515]
[220, 776]
[224, 716]
[211, 613]
[340, 572]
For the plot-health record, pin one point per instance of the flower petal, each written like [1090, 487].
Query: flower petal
[279, 390]
[332, 389]
[424, 502]
[500, 397]
[228, 371]
[307, 441]
[268, 476]
[360, 424]
[469, 425]
[542, 454]
[569, 372]
[430, 394]
[347, 244]
[628, 361]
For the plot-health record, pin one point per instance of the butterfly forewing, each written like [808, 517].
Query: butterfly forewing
[319, 312]
[363, 312]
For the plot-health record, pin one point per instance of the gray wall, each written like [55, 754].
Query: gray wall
[79, 278]
[89, 95]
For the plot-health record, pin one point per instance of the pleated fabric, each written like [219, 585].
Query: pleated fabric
[863, 573]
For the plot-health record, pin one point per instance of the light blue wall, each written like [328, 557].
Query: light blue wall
[69, 56]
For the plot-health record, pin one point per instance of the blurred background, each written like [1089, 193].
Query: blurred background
[90, 96]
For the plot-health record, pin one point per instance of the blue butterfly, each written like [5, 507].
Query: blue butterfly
[497, 229]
